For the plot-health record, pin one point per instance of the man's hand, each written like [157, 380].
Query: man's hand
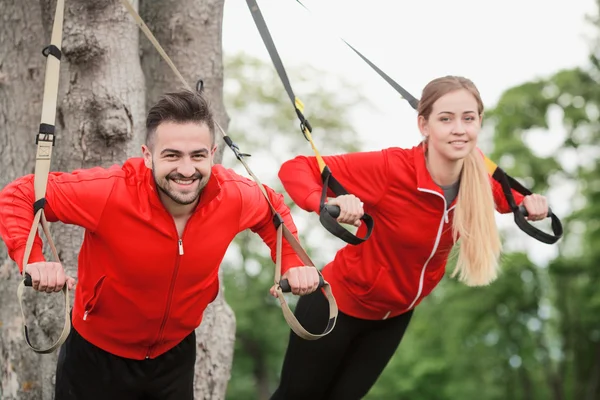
[302, 280]
[536, 206]
[351, 209]
[48, 277]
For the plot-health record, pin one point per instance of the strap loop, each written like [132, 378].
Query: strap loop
[45, 140]
[519, 213]
[329, 221]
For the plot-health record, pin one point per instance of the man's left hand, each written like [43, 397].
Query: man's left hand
[302, 280]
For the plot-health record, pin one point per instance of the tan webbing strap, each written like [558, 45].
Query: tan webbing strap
[45, 142]
[282, 230]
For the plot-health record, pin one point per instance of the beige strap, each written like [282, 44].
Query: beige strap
[282, 230]
[45, 142]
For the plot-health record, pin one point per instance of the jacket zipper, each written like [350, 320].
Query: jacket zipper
[170, 297]
[444, 220]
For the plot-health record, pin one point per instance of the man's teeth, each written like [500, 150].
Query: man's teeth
[181, 182]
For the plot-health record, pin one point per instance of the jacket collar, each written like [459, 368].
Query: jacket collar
[424, 180]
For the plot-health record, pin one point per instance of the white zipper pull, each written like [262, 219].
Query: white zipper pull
[180, 247]
[446, 216]
[85, 314]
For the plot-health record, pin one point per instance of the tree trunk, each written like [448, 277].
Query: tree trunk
[190, 33]
[21, 84]
[99, 121]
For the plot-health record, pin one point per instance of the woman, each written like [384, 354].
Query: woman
[422, 200]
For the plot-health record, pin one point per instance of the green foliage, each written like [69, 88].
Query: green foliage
[534, 334]
[265, 125]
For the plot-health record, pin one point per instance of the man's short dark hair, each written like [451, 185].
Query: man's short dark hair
[180, 107]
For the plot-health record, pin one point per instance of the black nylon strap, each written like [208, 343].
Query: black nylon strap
[500, 176]
[329, 222]
[507, 182]
[270, 45]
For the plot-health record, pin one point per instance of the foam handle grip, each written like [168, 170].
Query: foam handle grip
[523, 211]
[285, 285]
[334, 211]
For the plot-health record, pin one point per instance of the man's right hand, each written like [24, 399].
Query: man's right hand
[48, 277]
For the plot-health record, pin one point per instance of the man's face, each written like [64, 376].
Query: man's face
[181, 159]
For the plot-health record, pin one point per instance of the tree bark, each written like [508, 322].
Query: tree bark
[21, 86]
[190, 33]
[99, 120]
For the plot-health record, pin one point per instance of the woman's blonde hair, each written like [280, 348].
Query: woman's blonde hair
[474, 220]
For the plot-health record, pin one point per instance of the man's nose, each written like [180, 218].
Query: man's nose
[186, 167]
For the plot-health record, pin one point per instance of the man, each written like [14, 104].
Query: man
[156, 231]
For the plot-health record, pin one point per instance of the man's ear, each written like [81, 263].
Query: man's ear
[212, 154]
[147, 154]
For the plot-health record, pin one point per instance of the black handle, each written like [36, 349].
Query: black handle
[523, 211]
[285, 285]
[334, 211]
[28, 281]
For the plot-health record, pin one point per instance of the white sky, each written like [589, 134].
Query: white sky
[496, 44]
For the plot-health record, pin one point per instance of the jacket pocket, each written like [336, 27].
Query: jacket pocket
[91, 303]
[383, 293]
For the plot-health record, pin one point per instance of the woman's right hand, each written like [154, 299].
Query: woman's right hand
[351, 209]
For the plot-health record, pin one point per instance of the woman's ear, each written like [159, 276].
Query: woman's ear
[423, 126]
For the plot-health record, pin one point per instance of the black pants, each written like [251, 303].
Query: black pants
[343, 365]
[86, 372]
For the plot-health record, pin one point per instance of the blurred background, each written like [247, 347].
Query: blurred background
[534, 334]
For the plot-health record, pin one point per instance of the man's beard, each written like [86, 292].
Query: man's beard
[176, 196]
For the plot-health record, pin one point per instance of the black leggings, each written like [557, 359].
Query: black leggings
[343, 365]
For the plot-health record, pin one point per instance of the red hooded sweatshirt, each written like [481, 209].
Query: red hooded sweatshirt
[141, 289]
[405, 257]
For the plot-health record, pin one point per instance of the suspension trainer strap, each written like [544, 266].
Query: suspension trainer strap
[45, 140]
[329, 181]
[506, 181]
[282, 230]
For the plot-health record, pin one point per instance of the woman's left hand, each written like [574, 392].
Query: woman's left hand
[536, 206]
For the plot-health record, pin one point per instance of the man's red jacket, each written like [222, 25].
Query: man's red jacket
[141, 289]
